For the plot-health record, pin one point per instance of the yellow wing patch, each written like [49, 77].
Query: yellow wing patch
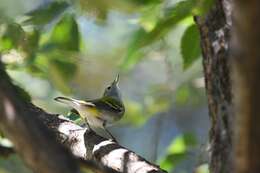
[92, 111]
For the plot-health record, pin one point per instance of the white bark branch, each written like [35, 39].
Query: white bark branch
[25, 125]
[86, 144]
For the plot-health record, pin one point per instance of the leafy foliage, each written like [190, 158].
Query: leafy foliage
[178, 151]
[47, 52]
[65, 35]
[142, 38]
[56, 54]
[46, 13]
[157, 28]
[61, 72]
[48, 42]
[52, 58]
[190, 46]
[11, 37]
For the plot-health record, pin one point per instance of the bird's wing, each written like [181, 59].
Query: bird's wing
[108, 104]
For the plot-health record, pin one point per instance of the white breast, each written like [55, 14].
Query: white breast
[95, 122]
[92, 120]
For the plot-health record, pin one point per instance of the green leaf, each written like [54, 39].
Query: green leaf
[182, 95]
[61, 72]
[177, 151]
[65, 34]
[142, 38]
[36, 70]
[190, 46]
[172, 160]
[134, 53]
[12, 36]
[182, 143]
[150, 16]
[46, 13]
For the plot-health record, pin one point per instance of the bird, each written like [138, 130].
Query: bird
[101, 112]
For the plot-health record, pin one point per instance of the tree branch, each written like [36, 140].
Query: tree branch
[32, 140]
[86, 144]
[25, 125]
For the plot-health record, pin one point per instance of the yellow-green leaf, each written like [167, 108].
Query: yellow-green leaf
[190, 46]
[65, 34]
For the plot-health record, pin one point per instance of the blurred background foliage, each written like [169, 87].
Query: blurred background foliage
[76, 48]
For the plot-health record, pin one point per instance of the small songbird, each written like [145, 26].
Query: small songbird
[101, 112]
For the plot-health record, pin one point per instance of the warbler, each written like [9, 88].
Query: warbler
[98, 113]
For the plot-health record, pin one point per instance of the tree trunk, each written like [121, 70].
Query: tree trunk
[245, 64]
[215, 35]
[246, 61]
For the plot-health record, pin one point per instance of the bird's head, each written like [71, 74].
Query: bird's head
[113, 91]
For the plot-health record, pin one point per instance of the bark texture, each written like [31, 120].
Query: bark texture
[215, 35]
[87, 145]
[32, 141]
[50, 143]
[246, 56]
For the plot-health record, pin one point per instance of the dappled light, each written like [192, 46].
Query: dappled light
[75, 49]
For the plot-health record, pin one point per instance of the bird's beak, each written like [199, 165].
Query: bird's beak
[116, 79]
[72, 102]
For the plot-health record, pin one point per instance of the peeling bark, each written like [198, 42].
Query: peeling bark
[215, 35]
[234, 148]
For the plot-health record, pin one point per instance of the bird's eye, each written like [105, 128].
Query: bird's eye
[109, 87]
